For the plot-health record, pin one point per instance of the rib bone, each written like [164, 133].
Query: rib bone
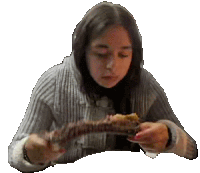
[118, 124]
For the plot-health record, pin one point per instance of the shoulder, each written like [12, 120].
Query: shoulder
[148, 85]
[53, 72]
[48, 76]
[148, 79]
[146, 76]
[45, 85]
[146, 93]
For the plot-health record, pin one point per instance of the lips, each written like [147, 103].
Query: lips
[109, 77]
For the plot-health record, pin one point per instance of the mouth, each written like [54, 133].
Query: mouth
[109, 77]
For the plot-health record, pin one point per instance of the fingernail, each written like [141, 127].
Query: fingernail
[137, 137]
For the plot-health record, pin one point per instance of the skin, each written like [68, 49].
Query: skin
[108, 59]
[40, 152]
[153, 137]
[110, 55]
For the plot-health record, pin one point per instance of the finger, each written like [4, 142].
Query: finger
[54, 147]
[142, 137]
[145, 130]
[51, 156]
[132, 139]
[145, 125]
[57, 149]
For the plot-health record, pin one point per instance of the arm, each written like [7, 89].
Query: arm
[38, 117]
[160, 111]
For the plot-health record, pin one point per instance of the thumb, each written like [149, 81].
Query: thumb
[144, 129]
[56, 155]
[144, 126]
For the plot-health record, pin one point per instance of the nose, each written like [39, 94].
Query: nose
[111, 63]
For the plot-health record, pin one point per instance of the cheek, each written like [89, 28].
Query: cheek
[125, 65]
[94, 68]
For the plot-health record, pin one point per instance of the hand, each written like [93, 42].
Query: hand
[41, 151]
[152, 137]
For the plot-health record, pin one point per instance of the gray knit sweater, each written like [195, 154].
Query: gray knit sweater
[56, 99]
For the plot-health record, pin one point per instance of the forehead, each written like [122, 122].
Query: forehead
[113, 37]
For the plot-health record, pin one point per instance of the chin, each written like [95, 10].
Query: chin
[108, 85]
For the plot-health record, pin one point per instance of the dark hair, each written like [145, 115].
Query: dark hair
[93, 24]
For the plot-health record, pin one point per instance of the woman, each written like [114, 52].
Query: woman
[104, 75]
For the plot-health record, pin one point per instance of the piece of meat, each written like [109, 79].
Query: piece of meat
[117, 124]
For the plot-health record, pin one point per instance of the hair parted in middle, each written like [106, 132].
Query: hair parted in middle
[93, 25]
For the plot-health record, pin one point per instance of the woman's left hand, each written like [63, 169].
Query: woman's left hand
[152, 137]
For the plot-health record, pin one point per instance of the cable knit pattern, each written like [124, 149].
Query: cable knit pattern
[56, 99]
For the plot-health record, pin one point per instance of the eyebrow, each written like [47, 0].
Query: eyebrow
[106, 46]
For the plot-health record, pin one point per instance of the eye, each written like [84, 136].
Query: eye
[123, 55]
[102, 55]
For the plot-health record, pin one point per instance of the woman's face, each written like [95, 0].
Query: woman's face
[109, 56]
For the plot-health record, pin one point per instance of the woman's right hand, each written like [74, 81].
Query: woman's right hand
[41, 151]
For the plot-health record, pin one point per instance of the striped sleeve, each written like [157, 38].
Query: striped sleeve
[182, 143]
[38, 116]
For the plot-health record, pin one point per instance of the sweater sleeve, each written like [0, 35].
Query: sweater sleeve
[182, 143]
[38, 116]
